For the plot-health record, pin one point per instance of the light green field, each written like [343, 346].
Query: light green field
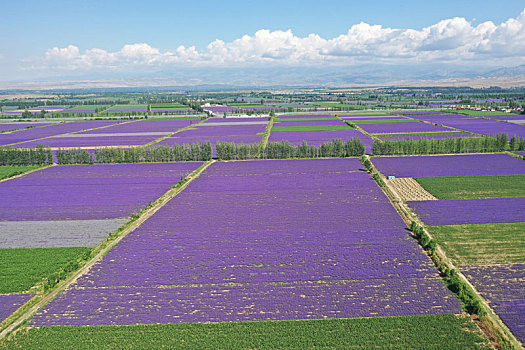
[20, 268]
[471, 187]
[480, 113]
[400, 332]
[311, 128]
[482, 244]
[6, 171]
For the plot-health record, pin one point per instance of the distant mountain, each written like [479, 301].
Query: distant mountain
[272, 77]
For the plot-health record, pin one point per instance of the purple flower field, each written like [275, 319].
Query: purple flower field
[10, 302]
[503, 286]
[384, 128]
[93, 141]
[429, 137]
[15, 126]
[476, 125]
[309, 122]
[371, 117]
[301, 116]
[51, 130]
[144, 126]
[470, 211]
[99, 191]
[453, 165]
[286, 239]
[316, 138]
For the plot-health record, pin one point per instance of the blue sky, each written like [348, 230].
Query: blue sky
[31, 28]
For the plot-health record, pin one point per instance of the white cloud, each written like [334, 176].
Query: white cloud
[454, 39]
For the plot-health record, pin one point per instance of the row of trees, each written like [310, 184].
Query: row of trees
[33, 156]
[441, 146]
[201, 151]
[517, 143]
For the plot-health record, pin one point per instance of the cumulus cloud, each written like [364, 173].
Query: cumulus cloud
[450, 39]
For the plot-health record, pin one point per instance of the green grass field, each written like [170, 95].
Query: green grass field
[311, 128]
[400, 332]
[381, 121]
[6, 171]
[20, 269]
[127, 106]
[470, 187]
[301, 119]
[479, 113]
[482, 244]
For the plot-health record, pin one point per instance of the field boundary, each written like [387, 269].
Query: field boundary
[490, 323]
[38, 301]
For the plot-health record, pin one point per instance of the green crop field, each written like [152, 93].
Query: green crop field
[302, 119]
[400, 332]
[21, 268]
[386, 121]
[480, 113]
[311, 128]
[482, 244]
[7, 171]
[470, 187]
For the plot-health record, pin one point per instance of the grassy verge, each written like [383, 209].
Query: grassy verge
[7, 171]
[21, 269]
[311, 128]
[471, 187]
[400, 332]
[482, 244]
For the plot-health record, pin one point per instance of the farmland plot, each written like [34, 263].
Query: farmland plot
[302, 239]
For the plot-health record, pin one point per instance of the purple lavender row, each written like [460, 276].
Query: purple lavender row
[10, 302]
[144, 126]
[14, 126]
[383, 128]
[319, 221]
[309, 122]
[250, 302]
[92, 141]
[470, 211]
[88, 191]
[476, 125]
[453, 165]
[52, 130]
[428, 137]
[504, 287]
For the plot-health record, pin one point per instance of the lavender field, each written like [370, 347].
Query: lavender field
[101, 191]
[287, 239]
[450, 165]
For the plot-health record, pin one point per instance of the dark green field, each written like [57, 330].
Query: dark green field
[401, 332]
[7, 171]
[20, 268]
[311, 128]
[482, 244]
[470, 187]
